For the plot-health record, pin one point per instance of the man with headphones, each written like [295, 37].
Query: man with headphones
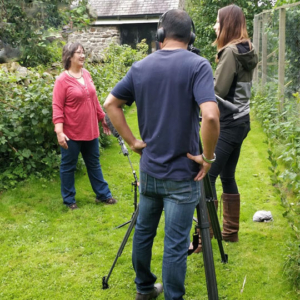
[169, 87]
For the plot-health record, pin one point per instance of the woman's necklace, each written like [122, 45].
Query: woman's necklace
[74, 76]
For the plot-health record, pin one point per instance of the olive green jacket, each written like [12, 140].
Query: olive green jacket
[233, 80]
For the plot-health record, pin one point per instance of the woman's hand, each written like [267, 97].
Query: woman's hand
[106, 130]
[204, 166]
[62, 140]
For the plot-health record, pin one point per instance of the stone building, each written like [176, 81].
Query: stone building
[123, 22]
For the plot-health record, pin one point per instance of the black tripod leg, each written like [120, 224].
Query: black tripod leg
[125, 239]
[212, 212]
[211, 282]
[216, 229]
[123, 224]
[214, 217]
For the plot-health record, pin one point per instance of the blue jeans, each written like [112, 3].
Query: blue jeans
[178, 199]
[69, 158]
[228, 152]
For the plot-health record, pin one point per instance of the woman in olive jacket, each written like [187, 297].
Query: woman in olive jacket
[236, 59]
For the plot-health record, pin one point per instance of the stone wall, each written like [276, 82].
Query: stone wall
[181, 4]
[96, 39]
[8, 53]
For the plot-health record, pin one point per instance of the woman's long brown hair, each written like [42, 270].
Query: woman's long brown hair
[233, 28]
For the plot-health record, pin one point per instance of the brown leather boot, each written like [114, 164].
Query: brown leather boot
[231, 217]
[197, 235]
[211, 233]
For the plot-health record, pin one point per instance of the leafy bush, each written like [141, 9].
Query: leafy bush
[283, 133]
[117, 61]
[292, 264]
[30, 27]
[28, 144]
[292, 50]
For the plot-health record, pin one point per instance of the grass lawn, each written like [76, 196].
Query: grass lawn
[50, 252]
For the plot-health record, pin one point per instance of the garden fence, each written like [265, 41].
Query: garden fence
[277, 40]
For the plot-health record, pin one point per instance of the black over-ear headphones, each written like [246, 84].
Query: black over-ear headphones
[160, 33]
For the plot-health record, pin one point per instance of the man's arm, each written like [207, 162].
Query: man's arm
[210, 128]
[113, 107]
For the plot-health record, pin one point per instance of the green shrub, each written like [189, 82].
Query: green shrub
[292, 264]
[31, 27]
[282, 127]
[283, 131]
[117, 61]
[28, 144]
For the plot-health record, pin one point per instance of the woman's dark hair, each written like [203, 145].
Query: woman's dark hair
[68, 52]
[177, 25]
[233, 28]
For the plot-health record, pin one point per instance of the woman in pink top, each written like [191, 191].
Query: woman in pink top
[76, 114]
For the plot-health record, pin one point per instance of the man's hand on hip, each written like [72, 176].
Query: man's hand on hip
[138, 146]
[204, 166]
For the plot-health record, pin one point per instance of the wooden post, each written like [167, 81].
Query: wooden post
[255, 42]
[281, 56]
[259, 36]
[264, 50]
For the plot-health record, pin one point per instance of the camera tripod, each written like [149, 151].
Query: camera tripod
[133, 218]
[134, 184]
[207, 196]
[203, 225]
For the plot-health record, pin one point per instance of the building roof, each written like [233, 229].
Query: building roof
[117, 8]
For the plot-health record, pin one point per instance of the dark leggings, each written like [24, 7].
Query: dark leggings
[227, 152]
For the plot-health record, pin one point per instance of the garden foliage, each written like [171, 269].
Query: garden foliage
[279, 114]
[283, 2]
[280, 119]
[283, 138]
[29, 28]
[204, 14]
[293, 46]
[28, 144]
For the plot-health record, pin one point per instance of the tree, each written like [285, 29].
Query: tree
[283, 2]
[30, 26]
[204, 15]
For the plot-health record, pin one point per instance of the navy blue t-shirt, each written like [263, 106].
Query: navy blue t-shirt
[168, 86]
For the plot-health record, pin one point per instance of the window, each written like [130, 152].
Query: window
[132, 34]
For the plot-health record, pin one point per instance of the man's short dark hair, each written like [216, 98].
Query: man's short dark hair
[177, 25]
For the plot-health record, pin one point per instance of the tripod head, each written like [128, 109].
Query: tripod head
[193, 49]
